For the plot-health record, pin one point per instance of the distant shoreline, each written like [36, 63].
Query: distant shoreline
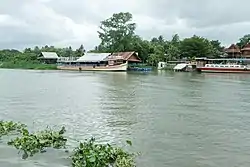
[27, 65]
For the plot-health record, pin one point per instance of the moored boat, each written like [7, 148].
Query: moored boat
[93, 62]
[223, 65]
[94, 67]
[99, 62]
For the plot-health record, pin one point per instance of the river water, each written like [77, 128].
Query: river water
[173, 119]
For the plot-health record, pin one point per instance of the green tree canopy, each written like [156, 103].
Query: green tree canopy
[117, 32]
[244, 40]
[196, 47]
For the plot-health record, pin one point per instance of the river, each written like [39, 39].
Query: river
[173, 119]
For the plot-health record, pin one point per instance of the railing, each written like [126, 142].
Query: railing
[67, 59]
[79, 65]
[226, 66]
[114, 57]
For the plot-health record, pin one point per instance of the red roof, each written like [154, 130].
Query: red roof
[131, 56]
[246, 47]
[233, 49]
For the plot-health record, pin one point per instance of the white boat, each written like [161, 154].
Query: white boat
[223, 65]
[99, 62]
[93, 62]
[94, 67]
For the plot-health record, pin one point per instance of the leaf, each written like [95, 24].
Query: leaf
[62, 131]
[92, 159]
[81, 145]
[43, 151]
[25, 155]
[129, 142]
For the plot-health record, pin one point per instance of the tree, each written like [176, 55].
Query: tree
[69, 52]
[172, 48]
[175, 39]
[80, 52]
[244, 40]
[157, 56]
[117, 32]
[173, 52]
[216, 48]
[217, 45]
[37, 50]
[160, 40]
[154, 40]
[196, 47]
[27, 50]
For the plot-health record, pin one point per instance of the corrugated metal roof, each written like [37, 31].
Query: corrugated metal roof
[125, 56]
[180, 66]
[93, 57]
[49, 55]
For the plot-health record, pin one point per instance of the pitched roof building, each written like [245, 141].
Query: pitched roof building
[126, 56]
[246, 51]
[48, 57]
[233, 51]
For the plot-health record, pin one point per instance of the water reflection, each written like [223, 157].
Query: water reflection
[118, 102]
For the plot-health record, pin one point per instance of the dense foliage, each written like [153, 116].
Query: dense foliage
[90, 154]
[87, 154]
[117, 34]
[31, 144]
[10, 127]
[28, 59]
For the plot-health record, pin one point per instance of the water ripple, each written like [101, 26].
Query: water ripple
[174, 119]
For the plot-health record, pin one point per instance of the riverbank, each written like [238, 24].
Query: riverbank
[28, 65]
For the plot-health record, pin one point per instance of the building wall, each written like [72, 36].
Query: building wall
[233, 55]
[246, 52]
[49, 61]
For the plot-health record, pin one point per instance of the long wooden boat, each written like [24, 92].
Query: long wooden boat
[223, 65]
[119, 67]
[224, 68]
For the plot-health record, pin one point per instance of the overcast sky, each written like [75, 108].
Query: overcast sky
[26, 23]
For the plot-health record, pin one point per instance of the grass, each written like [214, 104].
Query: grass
[28, 65]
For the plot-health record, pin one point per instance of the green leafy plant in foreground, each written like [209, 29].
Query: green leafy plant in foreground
[9, 127]
[38, 142]
[87, 154]
[90, 154]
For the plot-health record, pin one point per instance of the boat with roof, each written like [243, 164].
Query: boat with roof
[236, 61]
[223, 65]
[99, 62]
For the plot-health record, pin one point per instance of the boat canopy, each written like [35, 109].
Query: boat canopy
[93, 57]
